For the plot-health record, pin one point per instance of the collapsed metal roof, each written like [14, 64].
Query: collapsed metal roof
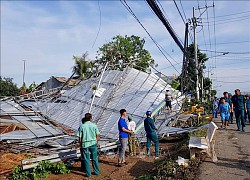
[30, 124]
[134, 90]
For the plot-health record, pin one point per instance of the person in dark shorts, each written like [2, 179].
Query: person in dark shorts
[168, 99]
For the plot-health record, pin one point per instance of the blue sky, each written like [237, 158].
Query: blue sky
[48, 33]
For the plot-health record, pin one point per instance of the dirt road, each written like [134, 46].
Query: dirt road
[233, 151]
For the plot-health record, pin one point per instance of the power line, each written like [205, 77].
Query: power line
[231, 19]
[179, 12]
[161, 16]
[235, 42]
[100, 23]
[124, 3]
[228, 52]
[215, 43]
[231, 14]
[234, 81]
[190, 35]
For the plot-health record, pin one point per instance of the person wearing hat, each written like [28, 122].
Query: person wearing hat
[131, 137]
[151, 133]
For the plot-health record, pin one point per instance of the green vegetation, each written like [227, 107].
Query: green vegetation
[43, 169]
[123, 51]
[7, 87]
[83, 67]
[175, 84]
[199, 133]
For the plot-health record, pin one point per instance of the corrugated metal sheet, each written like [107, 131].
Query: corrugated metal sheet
[133, 90]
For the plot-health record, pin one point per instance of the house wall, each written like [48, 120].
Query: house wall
[52, 83]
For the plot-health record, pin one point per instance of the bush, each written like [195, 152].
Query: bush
[43, 169]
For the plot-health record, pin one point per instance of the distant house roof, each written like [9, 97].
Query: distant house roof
[71, 82]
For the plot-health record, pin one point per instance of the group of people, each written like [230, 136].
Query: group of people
[89, 135]
[127, 135]
[228, 105]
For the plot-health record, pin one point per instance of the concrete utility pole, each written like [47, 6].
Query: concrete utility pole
[195, 56]
[23, 70]
[185, 59]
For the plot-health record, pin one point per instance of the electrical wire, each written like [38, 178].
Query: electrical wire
[230, 21]
[190, 35]
[226, 52]
[235, 18]
[234, 81]
[231, 14]
[100, 23]
[124, 3]
[234, 42]
[179, 12]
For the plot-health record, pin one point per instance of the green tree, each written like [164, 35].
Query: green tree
[83, 67]
[191, 68]
[123, 51]
[7, 87]
[32, 87]
[175, 84]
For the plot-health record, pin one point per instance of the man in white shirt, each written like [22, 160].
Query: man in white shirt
[168, 99]
[132, 138]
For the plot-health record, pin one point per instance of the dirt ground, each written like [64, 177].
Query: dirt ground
[233, 152]
[137, 165]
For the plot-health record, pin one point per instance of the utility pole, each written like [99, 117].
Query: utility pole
[195, 56]
[23, 70]
[185, 59]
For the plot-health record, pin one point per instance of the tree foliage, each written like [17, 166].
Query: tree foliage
[7, 87]
[191, 70]
[175, 84]
[122, 51]
[32, 87]
[83, 66]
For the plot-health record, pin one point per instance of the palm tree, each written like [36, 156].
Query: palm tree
[83, 67]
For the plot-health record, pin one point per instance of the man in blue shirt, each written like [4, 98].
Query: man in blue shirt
[239, 106]
[151, 134]
[123, 136]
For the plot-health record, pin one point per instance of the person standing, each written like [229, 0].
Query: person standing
[215, 107]
[248, 108]
[168, 99]
[131, 137]
[151, 133]
[239, 106]
[229, 101]
[123, 136]
[224, 111]
[232, 111]
[89, 134]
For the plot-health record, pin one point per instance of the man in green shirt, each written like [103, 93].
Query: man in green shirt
[239, 106]
[88, 134]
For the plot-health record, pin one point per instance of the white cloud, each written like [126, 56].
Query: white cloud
[48, 34]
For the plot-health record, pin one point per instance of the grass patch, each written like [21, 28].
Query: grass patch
[199, 133]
